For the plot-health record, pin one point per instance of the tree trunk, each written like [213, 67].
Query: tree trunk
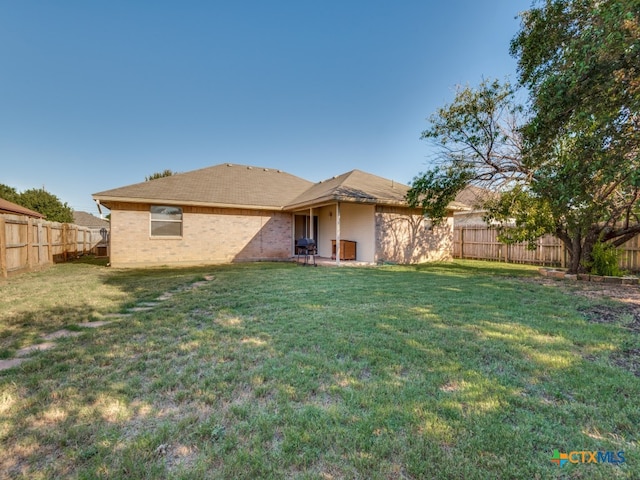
[579, 250]
[575, 255]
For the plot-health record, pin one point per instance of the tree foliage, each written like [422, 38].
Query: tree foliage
[580, 61]
[164, 173]
[9, 193]
[41, 201]
[571, 167]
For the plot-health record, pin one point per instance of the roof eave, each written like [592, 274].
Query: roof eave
[330, 199]
[106, 200]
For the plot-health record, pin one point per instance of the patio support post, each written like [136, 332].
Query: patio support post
[338, 233]
[312, 233]
[293, 235]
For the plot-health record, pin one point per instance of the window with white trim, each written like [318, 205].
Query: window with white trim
[166, 221]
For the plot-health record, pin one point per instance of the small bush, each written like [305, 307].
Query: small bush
[605, 258]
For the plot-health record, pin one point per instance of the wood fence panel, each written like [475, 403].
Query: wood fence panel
[631, 255]
[3, 248]
[480, 242]
[27, 244]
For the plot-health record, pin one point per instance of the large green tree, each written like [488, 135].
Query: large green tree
[41, 201]
[571, 167]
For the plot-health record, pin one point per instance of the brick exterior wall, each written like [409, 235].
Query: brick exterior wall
[209, 236]
[405, 236]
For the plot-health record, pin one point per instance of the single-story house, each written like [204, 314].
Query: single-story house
[230, 213]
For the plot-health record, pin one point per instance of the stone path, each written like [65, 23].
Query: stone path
[22, 355]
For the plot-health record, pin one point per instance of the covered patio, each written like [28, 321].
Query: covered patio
[365, 219]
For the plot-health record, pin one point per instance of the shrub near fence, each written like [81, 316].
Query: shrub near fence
[481, 243]
[28, 244]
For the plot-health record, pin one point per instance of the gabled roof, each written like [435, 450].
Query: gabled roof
[357, 186]
[9, 207]
[85, 219]
[354, 186]
[242, 186]
[223, 185]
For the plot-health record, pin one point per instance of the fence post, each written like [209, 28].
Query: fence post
[39, 242]
[49, 243]
[29, 244]
[65, 246]
[3, 248]
[462, 242]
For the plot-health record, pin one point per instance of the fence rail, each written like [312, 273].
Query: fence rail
[28, 244]
[481, 243]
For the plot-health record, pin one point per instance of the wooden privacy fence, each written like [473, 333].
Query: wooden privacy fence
[29, 243]
[481, 242]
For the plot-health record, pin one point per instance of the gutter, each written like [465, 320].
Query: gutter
[156, 201]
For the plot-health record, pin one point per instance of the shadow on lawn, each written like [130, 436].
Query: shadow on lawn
[32, 327]
[370, 373]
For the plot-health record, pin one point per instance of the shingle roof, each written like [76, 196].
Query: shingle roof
[9, 207]
[360, 187]
[220, 185]
[85, 219]
[353, 186]
[256, 187]
[474, 197]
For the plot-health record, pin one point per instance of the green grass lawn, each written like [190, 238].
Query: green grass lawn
[465, 370]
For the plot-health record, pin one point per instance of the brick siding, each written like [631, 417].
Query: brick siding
[209, 235]
[405, 236]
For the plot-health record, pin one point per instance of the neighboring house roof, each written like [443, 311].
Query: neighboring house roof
[9, 207]
[474, 197]
[85, 219]
[223, 185]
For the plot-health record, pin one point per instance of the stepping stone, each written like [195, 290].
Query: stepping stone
[198, 284]
[96, 324]
[116, 315]
[208, 278]
[38, 347]
[165, 296]
[140, 309]
[13, 362]
[60, 334]
[148, 304]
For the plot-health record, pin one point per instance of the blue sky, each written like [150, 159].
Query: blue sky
[98, 95]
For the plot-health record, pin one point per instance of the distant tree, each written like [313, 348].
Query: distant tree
[41, 201]
[9, 193]
[165, 173]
